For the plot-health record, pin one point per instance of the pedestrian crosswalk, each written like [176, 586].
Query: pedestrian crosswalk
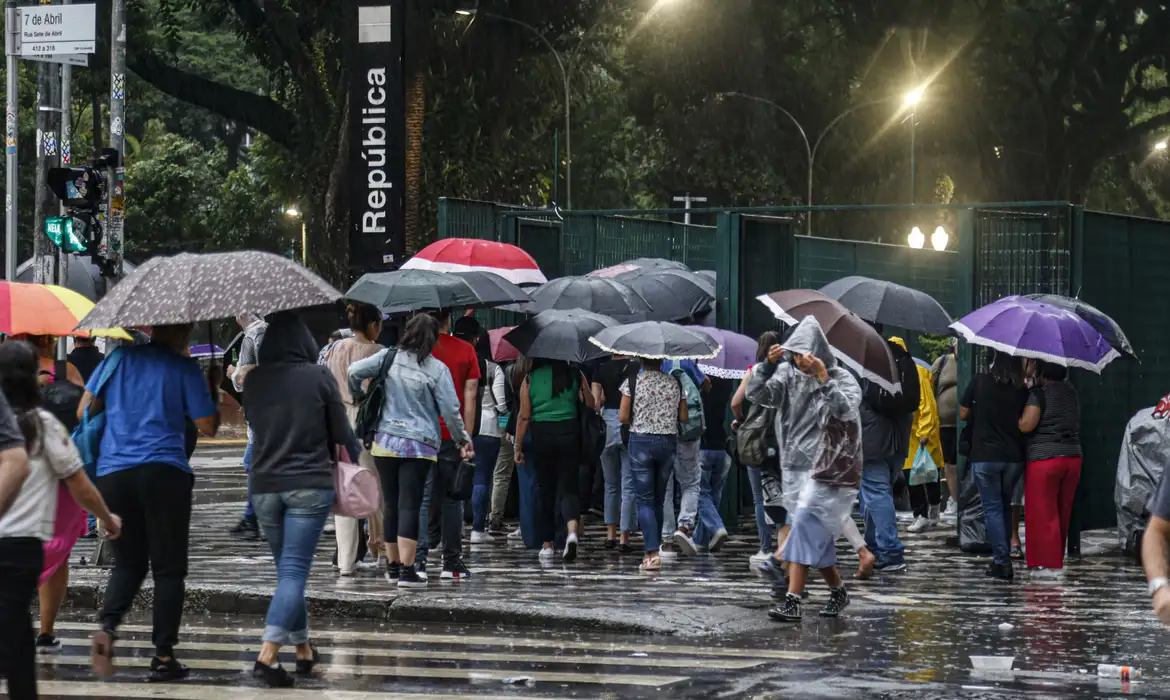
[450, 661]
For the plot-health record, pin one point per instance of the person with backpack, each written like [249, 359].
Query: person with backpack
[885, 427]
[945, 372]
[551, 398]
[924, 434]
[514, 374]
[365, 321]
[418, 391]
[740, 407]
[715, 463]
[653, 405]
[687, 476]
[485, 432]
[253, 327]
[827, 439]
[619, 513]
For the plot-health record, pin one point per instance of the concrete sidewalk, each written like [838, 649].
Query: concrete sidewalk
[603, 590]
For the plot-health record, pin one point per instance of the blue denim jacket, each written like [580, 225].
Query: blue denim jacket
[416, 396]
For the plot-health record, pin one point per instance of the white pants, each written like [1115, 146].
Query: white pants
[348, 530]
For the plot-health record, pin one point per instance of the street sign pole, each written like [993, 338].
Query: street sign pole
[114, 236]
[11, 110]
[66, 161]
[48, 140]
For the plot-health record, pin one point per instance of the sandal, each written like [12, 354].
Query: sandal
[651, 564]
[1017, 552]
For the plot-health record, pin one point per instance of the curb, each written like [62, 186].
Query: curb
[407, 608]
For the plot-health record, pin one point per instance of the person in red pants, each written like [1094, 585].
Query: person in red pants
[1052, 424]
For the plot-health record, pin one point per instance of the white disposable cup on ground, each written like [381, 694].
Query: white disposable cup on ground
[993, 663]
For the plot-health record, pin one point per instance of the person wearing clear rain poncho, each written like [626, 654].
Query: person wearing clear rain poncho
[816, 402]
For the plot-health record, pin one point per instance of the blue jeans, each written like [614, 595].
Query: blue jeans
[715, 465]
[486, 450]
[249, 511]
[292, 521]
[686, 479]
[877, 509]
[619, 482]
[651, 461]
[763, 529]
[996, 481]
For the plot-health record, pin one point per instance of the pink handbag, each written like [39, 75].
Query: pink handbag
[358, 494]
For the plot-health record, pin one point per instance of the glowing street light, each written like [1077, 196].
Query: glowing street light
[916, 239]
[915, 96]
[292, 212]
[1161, 145]
[939, 239]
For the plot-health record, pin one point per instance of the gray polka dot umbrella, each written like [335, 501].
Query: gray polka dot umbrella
[190, 287]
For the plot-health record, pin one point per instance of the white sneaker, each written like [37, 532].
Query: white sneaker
[717, 540]
[481, 538]
[920, 523]
[684, 543]
[546, 553]
[667, 554]
[952, 508]
[932, 515]
[516, 534]
[759, 558]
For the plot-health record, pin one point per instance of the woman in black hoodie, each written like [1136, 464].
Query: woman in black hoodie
[294, 407]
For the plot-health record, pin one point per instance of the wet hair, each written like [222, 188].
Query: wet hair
[19, 367]
[519, 371]
[442, 316]
[562, 374]
[466, 328]
[1051, 371]
[362, 316]
[174, 336]
[420, 336]
[1006, 369]
[767, 340]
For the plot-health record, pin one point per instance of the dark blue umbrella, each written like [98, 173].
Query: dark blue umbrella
[1101, 322]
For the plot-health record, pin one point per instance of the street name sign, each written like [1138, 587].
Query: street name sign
[52, 30]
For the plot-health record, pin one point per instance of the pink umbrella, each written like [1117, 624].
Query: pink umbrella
[470, 255]
[502, 350]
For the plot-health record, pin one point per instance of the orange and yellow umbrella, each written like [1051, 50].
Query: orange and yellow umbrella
[46, 309]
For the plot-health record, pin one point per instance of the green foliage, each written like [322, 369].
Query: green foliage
[935, 346]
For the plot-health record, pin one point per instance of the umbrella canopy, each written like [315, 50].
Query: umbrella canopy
[502, 350]
[471, 254]
[737, 353]
[46, 309]
[81, 275]
[639, 264]
[709, 275]
[560, 335]
[206, 350]
[192, 287]
[1101, 322]
[890, 304]
[404, 291]
[673, 295]
[601, 296]
[1028, 328]
[853, 341]
[489, 286]
[657, 341]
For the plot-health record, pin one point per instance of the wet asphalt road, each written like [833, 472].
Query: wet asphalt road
[906, 635]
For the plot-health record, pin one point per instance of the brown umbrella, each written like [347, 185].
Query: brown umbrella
[854, 342]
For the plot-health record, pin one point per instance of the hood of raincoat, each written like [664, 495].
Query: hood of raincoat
[899, 342]
[808, 337]
[287, 340]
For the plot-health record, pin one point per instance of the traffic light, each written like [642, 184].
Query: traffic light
[83, 191]
[79, 188]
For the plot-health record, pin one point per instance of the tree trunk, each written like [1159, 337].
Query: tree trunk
[332, 250]
[416, 111]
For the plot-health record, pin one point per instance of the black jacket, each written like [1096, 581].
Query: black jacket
[294, 408]
[886, 419]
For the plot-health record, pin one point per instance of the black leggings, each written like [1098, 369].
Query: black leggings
[21, 559]
[403, 484]
[556, 453]
[923, 496]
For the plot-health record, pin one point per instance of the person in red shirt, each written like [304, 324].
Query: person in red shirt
[439, 512]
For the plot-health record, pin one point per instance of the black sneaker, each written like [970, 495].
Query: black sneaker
[410, 578]
[393, 571]
[626, 548]
[273, 677]
[611, 544]
[838, 601]
[455, 571]
[246, 529]
[778, 592]
[164, 671]
[495, 528]
[48, 644]
[787, 611]
[305, 666]
[1003, 572]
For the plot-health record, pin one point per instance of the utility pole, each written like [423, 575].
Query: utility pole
[116, 210]
[48, 140]
[66, 161]
[11, 133]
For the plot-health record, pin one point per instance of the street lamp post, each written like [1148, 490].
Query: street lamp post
[293, 213]
[912, 99]
[565, 78]
[812, 148]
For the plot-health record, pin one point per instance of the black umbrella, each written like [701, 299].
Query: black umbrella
[597, 294]
[673, 295]
[490, 287]
[403, 291]
[193, 287]
[1100, 321]
[890, 304]
[853, 341]
[560, 335]
[657, 341]
[709, 275]
[657, 264]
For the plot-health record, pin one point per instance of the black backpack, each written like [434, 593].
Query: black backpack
[371, 402]
[479, 392]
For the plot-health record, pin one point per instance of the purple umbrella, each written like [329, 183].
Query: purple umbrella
[1026, 328]
[732, 362]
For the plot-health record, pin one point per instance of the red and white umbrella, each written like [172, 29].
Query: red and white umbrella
[470, 254]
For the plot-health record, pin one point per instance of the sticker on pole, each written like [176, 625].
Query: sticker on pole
[49, 30]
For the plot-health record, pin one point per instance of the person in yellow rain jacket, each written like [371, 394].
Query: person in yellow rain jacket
[924, 431]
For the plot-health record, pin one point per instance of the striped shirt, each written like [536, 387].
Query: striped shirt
[1058, 434]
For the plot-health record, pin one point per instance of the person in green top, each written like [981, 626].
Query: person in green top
[549, 400]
